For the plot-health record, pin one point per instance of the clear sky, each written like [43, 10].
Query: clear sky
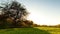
[45, 12]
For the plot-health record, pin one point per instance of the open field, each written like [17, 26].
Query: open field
[51, 30]
[35, 30]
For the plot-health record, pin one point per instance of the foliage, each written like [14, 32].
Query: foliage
[14, 15]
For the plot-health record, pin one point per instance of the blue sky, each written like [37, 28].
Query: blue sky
[43, 11]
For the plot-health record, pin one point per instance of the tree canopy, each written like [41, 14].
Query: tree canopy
[15, 14]
[14, 10]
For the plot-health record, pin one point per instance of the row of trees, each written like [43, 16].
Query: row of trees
[36, 25]
[14, 15]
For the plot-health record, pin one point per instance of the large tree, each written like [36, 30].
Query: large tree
[14, 11]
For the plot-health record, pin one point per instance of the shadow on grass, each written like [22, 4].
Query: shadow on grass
[23, 31]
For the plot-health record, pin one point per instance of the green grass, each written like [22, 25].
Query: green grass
[35, 30]
[23, 31]
[51, 30]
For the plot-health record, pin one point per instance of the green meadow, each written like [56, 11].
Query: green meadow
[51, 30]
[35, 30]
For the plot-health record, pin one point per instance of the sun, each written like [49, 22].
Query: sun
[34, 17]
[41, 19]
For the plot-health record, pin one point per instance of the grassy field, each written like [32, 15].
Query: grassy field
[51, 30]
[36, 30]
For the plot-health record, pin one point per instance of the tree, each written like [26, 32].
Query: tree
[14, 11]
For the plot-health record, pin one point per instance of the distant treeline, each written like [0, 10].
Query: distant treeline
[36, 25]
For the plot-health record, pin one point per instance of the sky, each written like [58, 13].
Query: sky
[42, 12]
